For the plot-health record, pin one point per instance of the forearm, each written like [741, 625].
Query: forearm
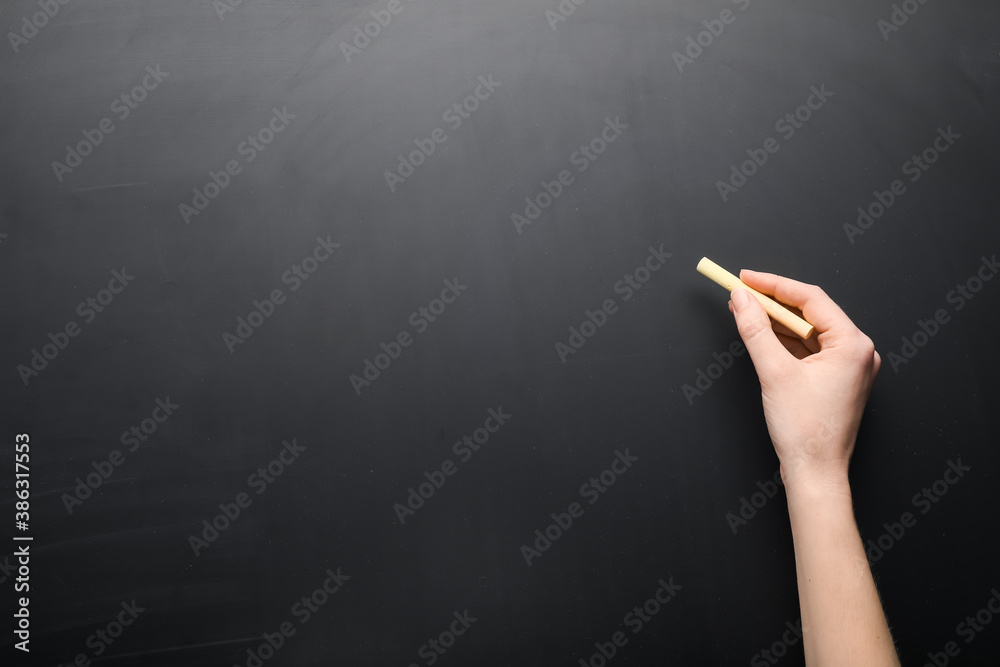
[842, 618]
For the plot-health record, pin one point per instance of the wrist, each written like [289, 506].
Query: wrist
[816, 482]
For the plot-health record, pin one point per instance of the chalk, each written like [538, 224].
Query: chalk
[710, 269]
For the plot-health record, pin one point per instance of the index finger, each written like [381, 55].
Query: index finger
[817, 308]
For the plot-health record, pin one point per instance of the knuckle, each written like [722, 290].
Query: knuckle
[816, 292]
[863, 353]
[866, 347]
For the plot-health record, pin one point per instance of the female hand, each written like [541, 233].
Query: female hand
[814, 391]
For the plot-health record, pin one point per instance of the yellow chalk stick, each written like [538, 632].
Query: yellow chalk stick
[777, 311]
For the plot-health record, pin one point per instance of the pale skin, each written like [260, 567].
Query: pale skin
[814, 393]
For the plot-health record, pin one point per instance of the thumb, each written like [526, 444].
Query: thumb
[768, 354]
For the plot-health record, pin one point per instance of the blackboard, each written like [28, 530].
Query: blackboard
[368, 333]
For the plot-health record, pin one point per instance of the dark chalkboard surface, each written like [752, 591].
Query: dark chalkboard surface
[368, 333]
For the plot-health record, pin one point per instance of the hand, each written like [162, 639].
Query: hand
[814, 391]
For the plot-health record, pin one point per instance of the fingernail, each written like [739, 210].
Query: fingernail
[740, 299]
